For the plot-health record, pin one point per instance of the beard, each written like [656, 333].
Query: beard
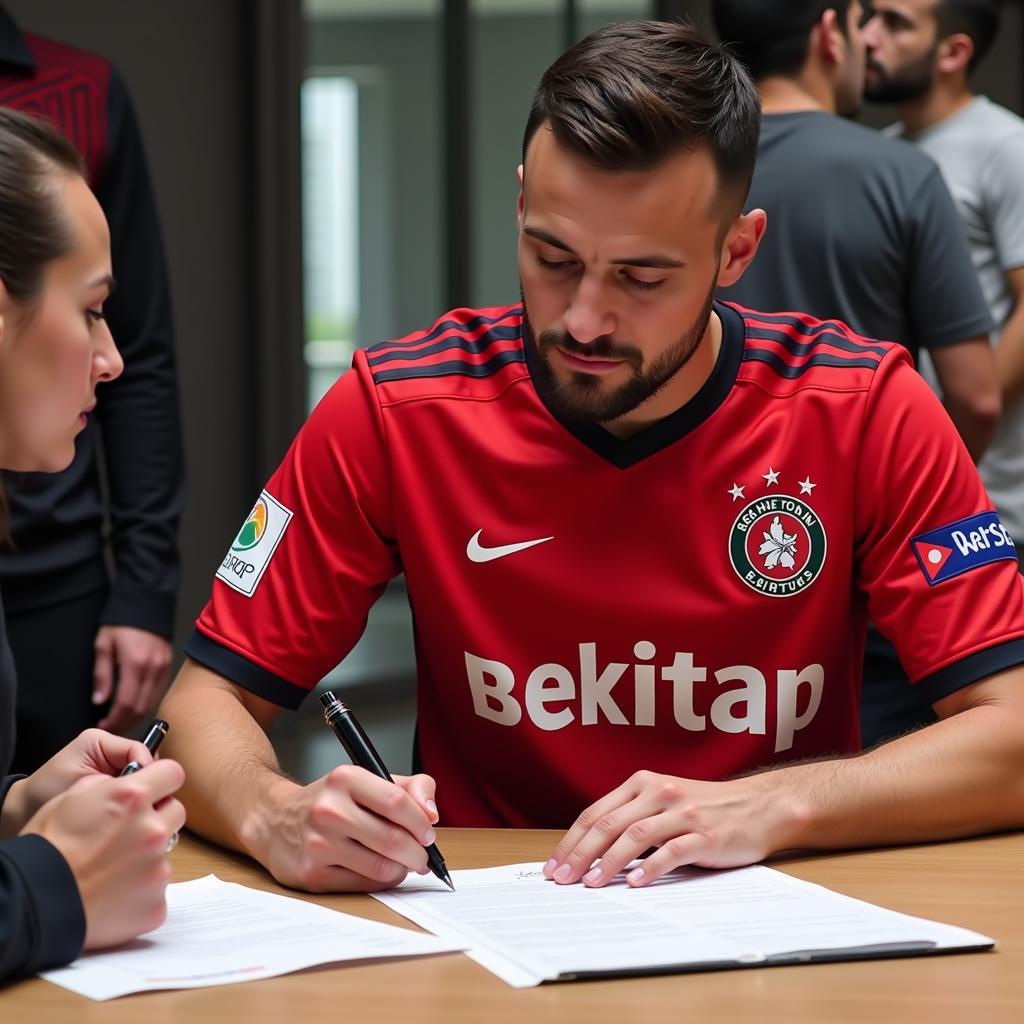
[583, 398]
[910, 82]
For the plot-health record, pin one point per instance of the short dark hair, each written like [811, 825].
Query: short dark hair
[632, 94]
[772, 37]
[33, 227]
[978, 19]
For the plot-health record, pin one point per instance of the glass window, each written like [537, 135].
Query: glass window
[330, 227]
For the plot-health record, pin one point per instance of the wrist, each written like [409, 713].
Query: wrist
[269, 819]
[788, 812]
[16, 809]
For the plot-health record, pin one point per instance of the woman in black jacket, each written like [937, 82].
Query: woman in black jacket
[83, 853]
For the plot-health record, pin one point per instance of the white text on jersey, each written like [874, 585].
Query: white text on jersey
[736, 710]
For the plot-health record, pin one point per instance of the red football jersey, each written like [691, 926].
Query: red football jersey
[691, 600]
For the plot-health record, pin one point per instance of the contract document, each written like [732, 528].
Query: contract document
[220, 933]
[528, 930]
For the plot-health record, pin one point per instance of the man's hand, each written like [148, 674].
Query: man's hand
[92, 753]
[140, 662]
[709, 824]
[114, 835]
[347, 832]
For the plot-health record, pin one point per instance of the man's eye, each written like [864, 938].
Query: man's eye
[644, 286]
[95, 315]
[554, 264]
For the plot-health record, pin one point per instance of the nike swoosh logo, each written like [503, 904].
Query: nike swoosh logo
[478, 553]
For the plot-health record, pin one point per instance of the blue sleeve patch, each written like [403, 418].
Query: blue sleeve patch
[962, 546]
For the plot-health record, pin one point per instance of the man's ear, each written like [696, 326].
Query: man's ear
[521, 201]
[954, 54]
[740, 246]
[828, 37]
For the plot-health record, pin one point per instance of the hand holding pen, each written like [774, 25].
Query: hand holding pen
[107, 840]
[91, 753]
[362, 753]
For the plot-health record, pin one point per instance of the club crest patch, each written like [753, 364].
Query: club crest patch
[962, 546]
[777, 545]
[250, 552]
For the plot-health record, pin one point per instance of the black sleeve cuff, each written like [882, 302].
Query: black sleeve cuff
[5, 784]
[971, 669]
[49, 925]
[153, 612]
[250, 676]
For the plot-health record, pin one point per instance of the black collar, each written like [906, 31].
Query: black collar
[14, 50]
[626, 452]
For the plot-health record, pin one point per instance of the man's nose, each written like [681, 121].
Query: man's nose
[590, 315]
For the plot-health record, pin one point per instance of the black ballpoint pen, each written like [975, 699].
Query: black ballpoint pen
[359, 748]
[154, 737]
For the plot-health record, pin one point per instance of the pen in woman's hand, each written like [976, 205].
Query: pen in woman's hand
[154, 737]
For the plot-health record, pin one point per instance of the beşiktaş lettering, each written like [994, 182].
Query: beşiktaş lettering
[736, 710]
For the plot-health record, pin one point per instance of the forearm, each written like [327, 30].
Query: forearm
[1009, 355]
[974, 425]
[961, 776]
[233, 781]
[967, 376]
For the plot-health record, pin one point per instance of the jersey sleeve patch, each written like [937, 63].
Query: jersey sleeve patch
[962, 546]
[250, 552]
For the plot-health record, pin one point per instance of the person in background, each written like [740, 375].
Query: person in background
[641, 530]
[83, 854]
[114, 658]
[920, 56]
[863, 227]
[863, 230]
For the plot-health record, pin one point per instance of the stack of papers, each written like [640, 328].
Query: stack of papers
[220, 933]
[528, 930]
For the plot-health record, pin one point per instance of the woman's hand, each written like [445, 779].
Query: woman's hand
[94, 752]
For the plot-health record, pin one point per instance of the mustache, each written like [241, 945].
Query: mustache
[600, 348]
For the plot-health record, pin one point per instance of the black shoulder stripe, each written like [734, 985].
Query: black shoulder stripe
[790, 372]
[453, 341]
[798, 325]
[802, 348]
[452, 325]
[454, 368]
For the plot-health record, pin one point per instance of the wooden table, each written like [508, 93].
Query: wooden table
[975, 883]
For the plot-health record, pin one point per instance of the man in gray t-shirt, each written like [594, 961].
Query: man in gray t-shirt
[920, 56]
[861, 228]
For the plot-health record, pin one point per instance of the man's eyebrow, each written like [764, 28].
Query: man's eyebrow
[653, 262]
[545, 236]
